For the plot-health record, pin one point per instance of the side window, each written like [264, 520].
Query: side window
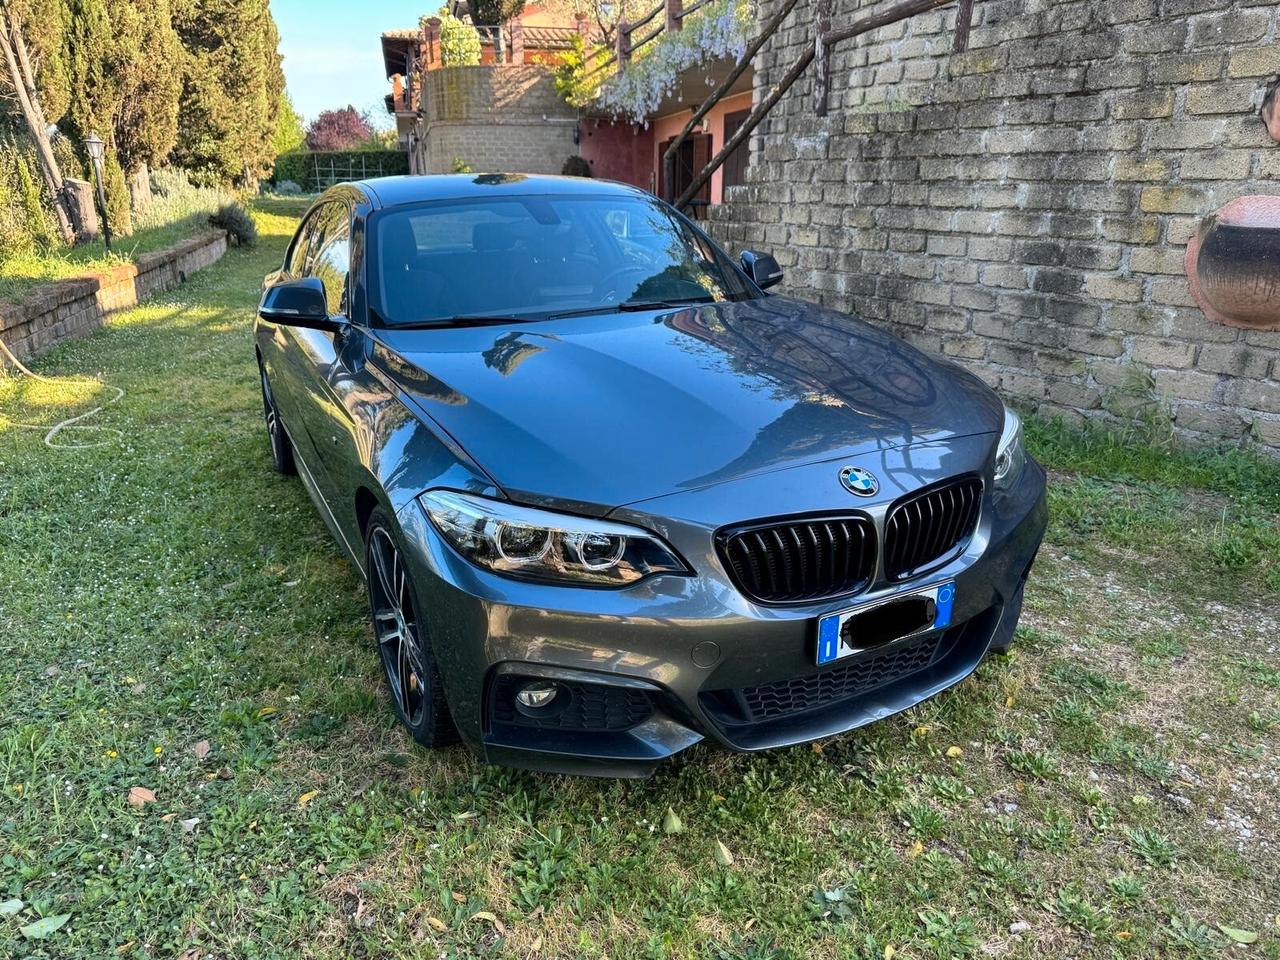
[330, 253]
[301, 244]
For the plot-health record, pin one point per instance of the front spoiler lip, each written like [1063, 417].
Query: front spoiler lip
[663, 735]
[657, 738]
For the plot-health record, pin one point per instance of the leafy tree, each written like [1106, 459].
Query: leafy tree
[343, 129]
[492, 14]
[290, 133]
[231, 89]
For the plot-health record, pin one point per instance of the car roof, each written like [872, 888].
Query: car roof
[394, 191]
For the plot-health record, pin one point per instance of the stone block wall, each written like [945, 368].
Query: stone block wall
[1024, 207]
[70, 308]
[499, 118]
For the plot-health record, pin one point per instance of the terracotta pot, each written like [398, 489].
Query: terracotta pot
[1233, 264]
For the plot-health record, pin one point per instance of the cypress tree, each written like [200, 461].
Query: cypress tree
[93, 60]
[146, 66]
[231, 89]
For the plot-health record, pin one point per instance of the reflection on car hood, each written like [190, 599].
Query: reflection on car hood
[604, 410]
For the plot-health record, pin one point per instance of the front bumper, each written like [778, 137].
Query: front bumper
[673, 660]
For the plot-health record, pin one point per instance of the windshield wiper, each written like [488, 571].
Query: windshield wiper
[659, 304]
[631, 305]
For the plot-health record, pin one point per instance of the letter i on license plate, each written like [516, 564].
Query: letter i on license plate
[863, 628]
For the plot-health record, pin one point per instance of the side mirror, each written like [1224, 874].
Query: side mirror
[297, 303]
[761, 267]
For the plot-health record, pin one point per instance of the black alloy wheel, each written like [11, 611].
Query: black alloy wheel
[413, 679]
[281, 445]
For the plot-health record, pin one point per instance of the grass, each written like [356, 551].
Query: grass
[175, 617]
[180, 212]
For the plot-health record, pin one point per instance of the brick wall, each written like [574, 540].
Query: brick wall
[71, 308]
[499, 118]
[1024, 207]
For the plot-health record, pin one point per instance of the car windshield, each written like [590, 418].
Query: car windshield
[536, 257]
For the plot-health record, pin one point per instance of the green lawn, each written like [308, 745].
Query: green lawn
[173, 616]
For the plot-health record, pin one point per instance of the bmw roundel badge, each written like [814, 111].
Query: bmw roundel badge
[859, 482]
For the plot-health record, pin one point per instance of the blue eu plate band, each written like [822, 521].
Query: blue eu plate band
[829, 648]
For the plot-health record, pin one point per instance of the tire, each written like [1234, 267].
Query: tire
[281, 446]
[413, 678]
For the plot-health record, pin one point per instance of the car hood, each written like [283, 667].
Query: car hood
[599, 411]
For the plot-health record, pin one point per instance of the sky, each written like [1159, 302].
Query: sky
[332, 55]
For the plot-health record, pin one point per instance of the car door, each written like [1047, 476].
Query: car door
[315, 352]
[280, 349]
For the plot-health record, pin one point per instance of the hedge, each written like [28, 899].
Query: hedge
[319, 169]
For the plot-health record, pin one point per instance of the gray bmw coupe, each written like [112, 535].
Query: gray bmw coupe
[610, 498]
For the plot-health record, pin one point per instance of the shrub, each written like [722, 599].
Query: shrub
[459, 42]
[577, 74]
[25, 219]
[175, 198]
[291, 166]
[234, 218]
[461, 166]
[119, 206]
[576, 166]
[288, 188]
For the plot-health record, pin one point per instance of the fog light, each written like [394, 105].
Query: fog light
[537, 695]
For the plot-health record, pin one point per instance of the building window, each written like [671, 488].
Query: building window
[735, 165]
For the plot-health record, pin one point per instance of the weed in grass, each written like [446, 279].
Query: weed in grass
[1074, 713]
[1057, 835]
[1191, 933]
[1105, 692]
[947, 789]
[1073, 907]
[1034, 763]
[947, 935]
[922, 821]
[1262, 723]
[998, 867]
[1102, 816]
[1165, 645]
[1126, 888]
[1151, 846]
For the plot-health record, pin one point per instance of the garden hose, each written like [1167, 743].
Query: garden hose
[51, 434]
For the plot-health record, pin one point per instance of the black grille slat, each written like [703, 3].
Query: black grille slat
[859, 675]
[802, 560]
[930, 527]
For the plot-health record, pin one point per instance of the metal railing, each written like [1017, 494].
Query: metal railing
[624, 45]
[324, 171]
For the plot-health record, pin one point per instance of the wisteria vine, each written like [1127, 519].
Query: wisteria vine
[719, 30]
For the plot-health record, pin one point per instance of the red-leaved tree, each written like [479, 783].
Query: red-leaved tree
[342, 129]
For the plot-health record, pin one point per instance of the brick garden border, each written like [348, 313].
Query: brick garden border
[57, 311]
